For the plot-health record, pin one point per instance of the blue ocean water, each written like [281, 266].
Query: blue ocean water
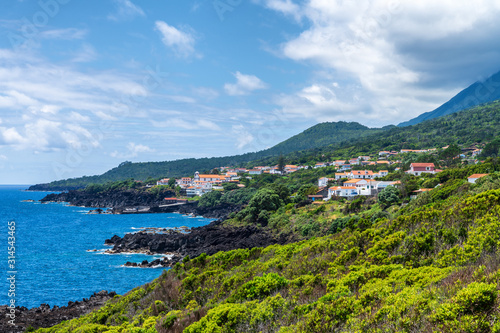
[52, 240]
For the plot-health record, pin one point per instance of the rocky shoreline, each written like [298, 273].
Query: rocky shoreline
[208, 239]
[44, 316]
[136, 202]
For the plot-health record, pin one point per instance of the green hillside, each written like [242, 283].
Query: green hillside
[430, 266]
[317, 136]
[480, 124]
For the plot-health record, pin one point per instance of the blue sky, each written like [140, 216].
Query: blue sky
[86, 85]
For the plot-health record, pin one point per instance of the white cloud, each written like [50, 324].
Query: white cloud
[3, 157]
[286, 7]
[64, 34]
[179, 123]
[181, 42]
[244, 85]
[391, 56]
[242, 136]
[126, 11]
[86, 54]
[133, 150]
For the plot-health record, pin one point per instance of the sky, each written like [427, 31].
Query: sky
[86, 85]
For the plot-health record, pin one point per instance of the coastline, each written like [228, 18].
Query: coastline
[44, 316]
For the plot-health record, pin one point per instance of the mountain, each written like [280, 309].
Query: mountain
[322, 135]
[318, 136]
[476, 94]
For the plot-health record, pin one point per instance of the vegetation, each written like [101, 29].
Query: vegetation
[431, 266]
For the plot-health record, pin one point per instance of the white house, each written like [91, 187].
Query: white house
[322, 182]
[340, 175]
[184, 182]
[417, 169]
[320, 165]
[361, 174]
[473, 178]
[364, 186]
[343, 191]
[163, 181]
[255, 171]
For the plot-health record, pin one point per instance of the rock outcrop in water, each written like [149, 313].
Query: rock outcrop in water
[137, 202]
[45, 316]
[208, 239]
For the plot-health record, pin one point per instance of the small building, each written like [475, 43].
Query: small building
[320, 165]
[340, 175]
[315, 197]
[343, 191]
[473, 178]
[322, 182]
[255, 171]
[417, 169]
[417, 192]
[169, 201]
[163, 181]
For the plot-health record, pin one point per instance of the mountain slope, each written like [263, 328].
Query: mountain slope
[315, 137]
[476, 94]
[321, 135]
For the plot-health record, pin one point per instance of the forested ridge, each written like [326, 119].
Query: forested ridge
[324, 142]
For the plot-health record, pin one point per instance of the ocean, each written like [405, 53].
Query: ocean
[53, 264]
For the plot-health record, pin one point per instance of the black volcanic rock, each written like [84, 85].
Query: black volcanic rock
[111, 198]
[208, 239]
[44, 316]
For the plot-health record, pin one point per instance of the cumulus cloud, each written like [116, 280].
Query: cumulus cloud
[244, 85]
[397, 53]
[126, 10]
[133, 150]
[181, 42]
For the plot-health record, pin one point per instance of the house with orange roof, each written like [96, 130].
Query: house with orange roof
[163, 181]
[322, 182]
[343, 191]
[340, 175]
[361, 174]
[417, 192]
[473, 178]
[476, 152]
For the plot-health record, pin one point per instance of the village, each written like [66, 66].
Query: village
[346, 183]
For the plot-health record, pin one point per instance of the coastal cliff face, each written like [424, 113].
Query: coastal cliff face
[111, 198]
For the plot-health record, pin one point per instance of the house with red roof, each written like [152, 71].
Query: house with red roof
[417, 169]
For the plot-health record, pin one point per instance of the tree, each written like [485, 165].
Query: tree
[281, 163]
[450, 154]
[210, 199]
[171, 182]
[229, 187]
[491, 149]
[389, 196]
